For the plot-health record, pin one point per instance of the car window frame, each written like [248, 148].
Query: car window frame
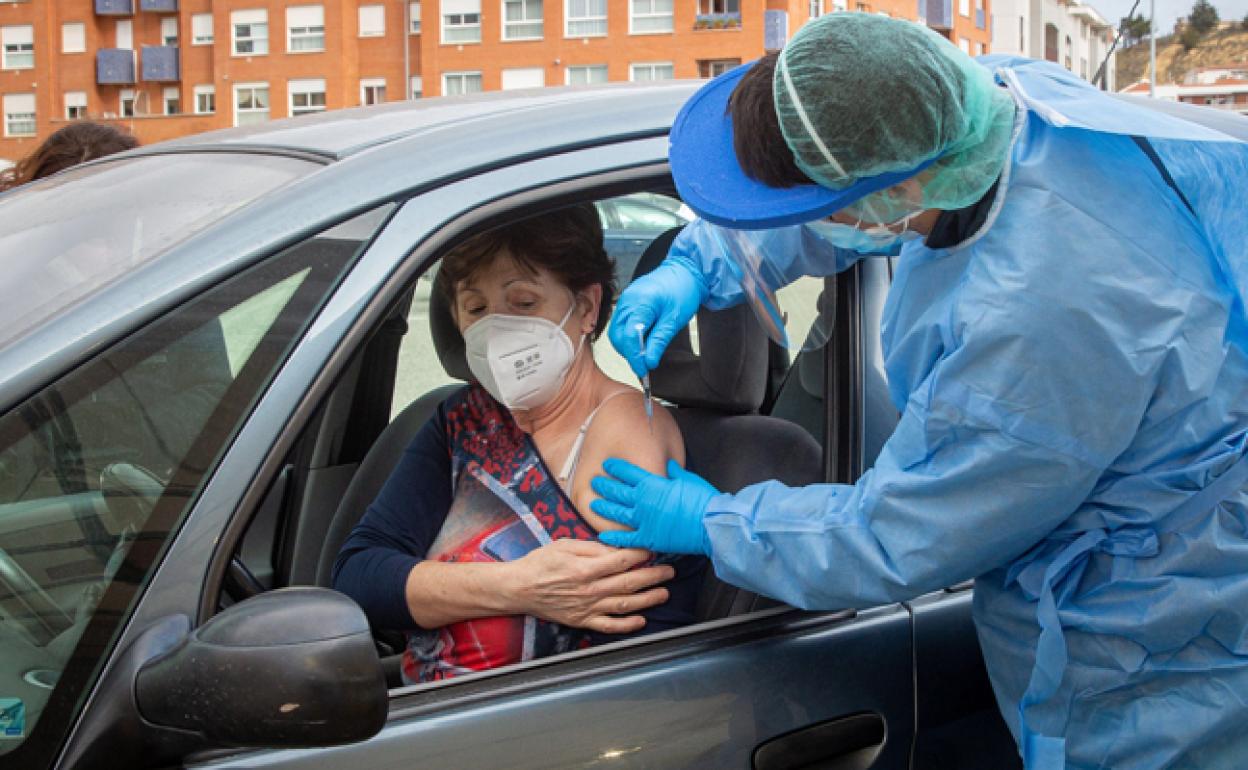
[448, 223]
[505, 208]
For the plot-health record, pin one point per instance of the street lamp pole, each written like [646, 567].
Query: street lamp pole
[1152, 49]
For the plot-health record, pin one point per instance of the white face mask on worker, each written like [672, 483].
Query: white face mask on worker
[521, 361]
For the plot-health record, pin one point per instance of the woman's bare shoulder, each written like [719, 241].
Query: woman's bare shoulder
[621, 429]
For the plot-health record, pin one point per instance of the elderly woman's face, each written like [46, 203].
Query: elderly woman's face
[505, 286]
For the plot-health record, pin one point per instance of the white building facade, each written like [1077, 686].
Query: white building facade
[1067, 32]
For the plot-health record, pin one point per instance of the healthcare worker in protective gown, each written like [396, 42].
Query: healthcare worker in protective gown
[1071, 374]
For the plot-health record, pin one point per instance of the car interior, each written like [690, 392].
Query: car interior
[746, 411]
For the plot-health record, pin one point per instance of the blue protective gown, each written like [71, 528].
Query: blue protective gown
[1069, 379]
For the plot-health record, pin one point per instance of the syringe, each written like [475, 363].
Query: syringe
[645, 378]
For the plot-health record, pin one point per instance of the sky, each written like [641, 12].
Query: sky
[1167, 10]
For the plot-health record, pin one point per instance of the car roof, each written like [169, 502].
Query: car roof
[339, 134]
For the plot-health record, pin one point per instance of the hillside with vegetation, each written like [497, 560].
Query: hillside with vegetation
[1201, 40]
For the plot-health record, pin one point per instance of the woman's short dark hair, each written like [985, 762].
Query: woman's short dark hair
[756, 136]
[567, 242]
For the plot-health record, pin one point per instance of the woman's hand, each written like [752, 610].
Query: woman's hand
[586, 584]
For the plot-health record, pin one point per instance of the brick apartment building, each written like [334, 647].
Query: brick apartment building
[167, 68]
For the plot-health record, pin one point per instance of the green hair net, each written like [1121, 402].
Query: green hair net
[859, 94]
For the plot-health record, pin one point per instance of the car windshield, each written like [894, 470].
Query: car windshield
[64, 241]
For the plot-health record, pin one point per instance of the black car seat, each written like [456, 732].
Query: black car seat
[717, 392]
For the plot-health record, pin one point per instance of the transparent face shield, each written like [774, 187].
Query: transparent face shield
[796, 315]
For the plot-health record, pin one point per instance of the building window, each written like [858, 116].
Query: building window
[417, 86]
[306, 96]
[305, 28]
[125, 102]
[862, 8]
[205, 100]
[719, 7]
[75, 105]
[649, 16]
[522, 19]
[455, 83]
[372, 20]
[1022, 35]
[965, 45]
[713, 68]
[413, 18]
[251, 103]
[19, 114]
[251, 32]
[640, 73]
[201, 29]
[74, 37]
[461, 21]
[372, 91]
[964, 7]
[123, 33]
[523, 77]
[816, 8]
[19, 47]
[173, 100]
[1083, 68]
[169, 30]
[585, 74]
[586, 18]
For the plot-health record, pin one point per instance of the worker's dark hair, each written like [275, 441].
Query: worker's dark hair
[757, 140]
[76, 143]
[567, 242]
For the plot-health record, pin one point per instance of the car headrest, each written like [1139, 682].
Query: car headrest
[446, 337]
[729, 371]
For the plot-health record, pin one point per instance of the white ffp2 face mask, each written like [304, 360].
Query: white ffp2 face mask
[521, 361]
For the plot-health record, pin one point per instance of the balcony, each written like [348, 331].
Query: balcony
[939, 14]
[114, 7]
[159, 6]
[160, 63]
[717, 21]
[114, 66]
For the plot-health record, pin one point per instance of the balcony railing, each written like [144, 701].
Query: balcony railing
[717, 21]
[114, 66]
[940, 14]
[114, 7]
[159, 6]
[160, 63]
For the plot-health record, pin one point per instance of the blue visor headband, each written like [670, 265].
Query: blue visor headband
[710, 179]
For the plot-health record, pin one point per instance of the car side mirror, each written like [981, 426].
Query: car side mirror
[294, 667]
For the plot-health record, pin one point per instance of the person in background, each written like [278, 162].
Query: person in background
[76, 143]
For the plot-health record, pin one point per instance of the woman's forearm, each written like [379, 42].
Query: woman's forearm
[440, 593]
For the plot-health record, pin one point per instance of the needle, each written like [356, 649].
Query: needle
[645, 378]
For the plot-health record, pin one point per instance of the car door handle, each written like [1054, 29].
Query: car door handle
[845, 743]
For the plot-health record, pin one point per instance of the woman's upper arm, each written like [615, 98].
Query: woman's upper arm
[621, 430]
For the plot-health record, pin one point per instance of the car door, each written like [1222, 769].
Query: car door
[778, 688]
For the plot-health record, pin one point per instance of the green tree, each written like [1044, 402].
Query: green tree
[1190, 37]
[1135, 28]
[1203, 17]
[1244, 23]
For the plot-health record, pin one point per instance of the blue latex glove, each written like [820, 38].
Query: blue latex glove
[665, 513]
[662, 302]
